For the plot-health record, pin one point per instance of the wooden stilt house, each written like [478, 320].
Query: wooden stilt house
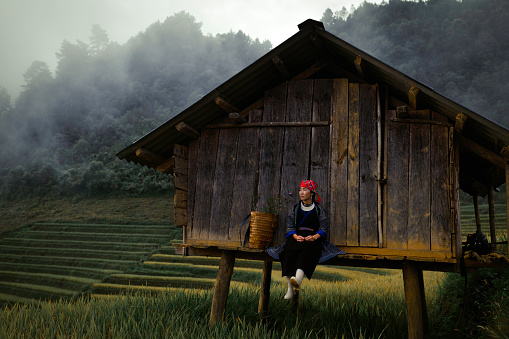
[389, 154]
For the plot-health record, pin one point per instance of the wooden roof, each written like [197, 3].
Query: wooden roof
[315, 53]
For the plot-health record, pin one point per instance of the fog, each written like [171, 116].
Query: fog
[33, 30]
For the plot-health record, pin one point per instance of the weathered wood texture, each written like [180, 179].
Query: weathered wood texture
[320, 139]
[507, 197]
[440, 186]
[354, 165]
[222, 286]
[235, 170]
[204, 191]
[339, 164]
[368, 166]
[418, 188]
[263, 303]
[180, 183]
[271, 151]
[417, 314]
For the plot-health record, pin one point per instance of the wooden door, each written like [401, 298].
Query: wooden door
[235, 170]
[355, 165]
[418, 192]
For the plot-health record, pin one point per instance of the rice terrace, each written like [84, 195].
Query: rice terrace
[95, 280]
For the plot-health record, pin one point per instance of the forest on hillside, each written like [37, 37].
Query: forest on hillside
[60, 136]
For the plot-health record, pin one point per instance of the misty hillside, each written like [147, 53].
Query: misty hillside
[63, 131]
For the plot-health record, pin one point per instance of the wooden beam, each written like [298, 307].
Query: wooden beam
[181, 151]
[505, 152]
[180, 181]
[184, 128]
[281, 66]
[358, 66]
[222, 286]
[263, 303]
[491, 204]
[422, 121]
[179, 165]
[413, 94]
[402, 112]
[417, 314]
[311, 70]
[158, 162]
[476, 211]
[238, 118]
[149, 156]
[225, 105]
[254, 106]
[507, 198]
[165, 167]
[460, 121]
[180, 217]
[484, 153]
[180, 199]
[379, 170]
[270, 124]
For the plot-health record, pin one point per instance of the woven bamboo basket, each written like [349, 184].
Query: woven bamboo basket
[262, 229]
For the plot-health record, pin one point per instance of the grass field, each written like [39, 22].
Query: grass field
[108, 276]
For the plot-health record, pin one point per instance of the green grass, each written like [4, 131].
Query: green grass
[327, 309]
[52, 261]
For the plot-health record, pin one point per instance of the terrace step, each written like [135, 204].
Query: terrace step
[34, 291]
[68, 261]
[105, 288]
[52, 243]
[85, 272]
[131, 237]
[46, 279]
[97, 228]
[75, 252]
[160, 281]
[10, 299]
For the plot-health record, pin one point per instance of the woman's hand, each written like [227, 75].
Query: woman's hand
[312, 237]
[299, 238]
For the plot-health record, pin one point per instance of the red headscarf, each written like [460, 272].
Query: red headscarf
[311, 185]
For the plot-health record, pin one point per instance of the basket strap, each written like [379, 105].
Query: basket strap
[246, 235]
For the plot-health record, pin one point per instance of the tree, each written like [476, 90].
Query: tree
[37, 75]
[5, 101]
[72, 59]
[99, 40]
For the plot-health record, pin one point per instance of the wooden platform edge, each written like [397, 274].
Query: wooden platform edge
[349, 259]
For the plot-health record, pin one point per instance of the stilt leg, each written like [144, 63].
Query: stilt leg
[263, 304]
[417, 314]
[222, 286]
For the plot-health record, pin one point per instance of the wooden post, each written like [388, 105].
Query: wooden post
[417, 314]
[477, 216]
[263, 304]
[507, 198]
[222, 286]
[491, 202]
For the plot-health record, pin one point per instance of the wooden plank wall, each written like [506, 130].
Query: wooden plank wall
[271, 150]
[237, 168]
[418, 183]
[354, 165]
